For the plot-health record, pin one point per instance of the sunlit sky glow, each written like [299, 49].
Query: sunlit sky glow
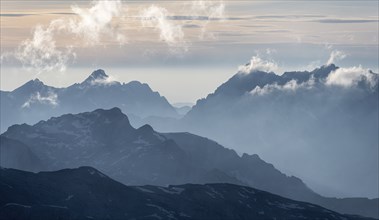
[191, 46]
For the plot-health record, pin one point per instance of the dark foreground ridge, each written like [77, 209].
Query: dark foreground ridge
[85, 193]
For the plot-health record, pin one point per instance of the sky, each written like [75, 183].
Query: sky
[186, 46]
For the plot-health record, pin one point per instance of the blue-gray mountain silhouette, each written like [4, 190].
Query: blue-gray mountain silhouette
[105, 140]
[85, 193]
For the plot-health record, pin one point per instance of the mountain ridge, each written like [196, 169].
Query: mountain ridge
[106, 140]
[35, 101]
[24, 198]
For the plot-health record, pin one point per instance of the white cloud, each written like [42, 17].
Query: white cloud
[50, 99]
[97, 21]
[335, 56]
[41, 52]
[290, 86]
[347, 77]
[170, 32]
[210, 10]
[258, 64]
[104, 81]
[170, 26]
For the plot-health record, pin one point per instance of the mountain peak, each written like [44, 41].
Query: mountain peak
[99, 74]
[31, 86]
[324, 70]
[96, 75]
[114, 112]
[35, 82]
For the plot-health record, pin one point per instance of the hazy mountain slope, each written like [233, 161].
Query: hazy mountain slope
[326, 118]
[255, 172]
[35, 101]
[85, 193]
[17, 155]
[249, 169]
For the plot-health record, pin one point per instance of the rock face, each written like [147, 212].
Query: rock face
[104, 139]
[35, 101]
[85, 193]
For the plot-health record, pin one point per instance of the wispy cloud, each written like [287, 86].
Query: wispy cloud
[335, 56]
[96, 21]
[207, 11]
[291, 86]
[41, 51]
[170, 26]
[170, 32]
[50, 99]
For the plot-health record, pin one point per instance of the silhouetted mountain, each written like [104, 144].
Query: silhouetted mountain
[85, 193]
[35, 101]
[105, 140]
[320, 125]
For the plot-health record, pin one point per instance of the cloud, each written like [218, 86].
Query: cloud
[104, 81]
[96, 21]
[50, 99]
[41, 53]
[88, 27]
[335, 56]
[347, 77]
[258, 64]
[170, 32]
[208, 11]
[290, 86]
[357, 77]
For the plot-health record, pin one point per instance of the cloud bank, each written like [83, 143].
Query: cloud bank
[347, 77]
[325, 76]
